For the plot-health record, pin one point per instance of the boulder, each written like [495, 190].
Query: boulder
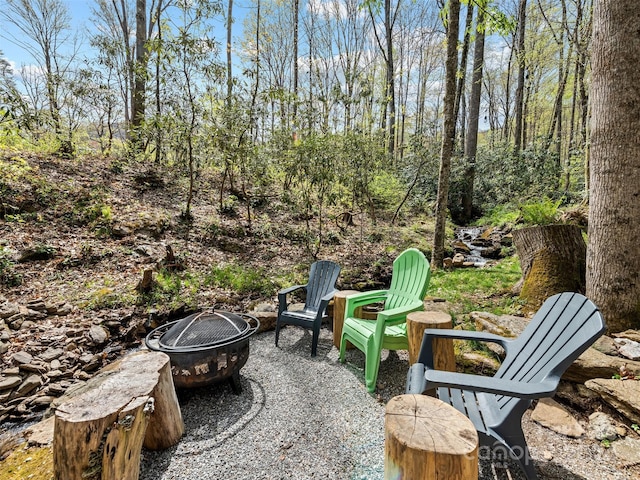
[628, 348]
[627, 451]
[602, 427]
[623, 395]
[554, 416]
[594, 364]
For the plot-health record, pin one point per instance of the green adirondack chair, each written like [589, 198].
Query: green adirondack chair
[409, 282]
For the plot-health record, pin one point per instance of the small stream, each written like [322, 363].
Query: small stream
[469, 236]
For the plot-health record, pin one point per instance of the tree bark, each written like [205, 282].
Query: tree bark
[471, 139]
[613, 263]
[100, 429]
[520, 56]
[448, 134]
[552, 260]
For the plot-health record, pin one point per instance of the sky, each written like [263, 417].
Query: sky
[80, 12]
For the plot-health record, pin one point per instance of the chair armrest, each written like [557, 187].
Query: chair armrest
[498, 386]
[426, 348]
[399, 314]
[361, 299]
[282, 296]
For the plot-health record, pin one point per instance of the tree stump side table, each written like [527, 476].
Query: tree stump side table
[417, 323]
[427, 439]
[339, 304]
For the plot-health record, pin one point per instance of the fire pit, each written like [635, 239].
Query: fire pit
[205, 347]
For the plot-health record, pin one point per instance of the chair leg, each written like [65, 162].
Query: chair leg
[343, 348]
[314, 339]
[277, 330]
[372, 364]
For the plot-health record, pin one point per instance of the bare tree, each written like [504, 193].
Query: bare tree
[46, 31]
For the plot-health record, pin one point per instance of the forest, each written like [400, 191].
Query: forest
[374, 112]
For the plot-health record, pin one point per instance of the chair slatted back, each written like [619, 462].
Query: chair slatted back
[409, 280]
[564, 327]
[322, 280]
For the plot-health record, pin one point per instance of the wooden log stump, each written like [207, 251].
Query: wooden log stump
[339, 304]
[100, 428]
[443, 355]
[427, 439]
[552, 260]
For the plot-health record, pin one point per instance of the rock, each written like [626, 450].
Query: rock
[447, 263]
[4, 347]
[7, 383]
[55, 364]
[623, 395]
[602, 427]
[28, 385]
[554, 416]
[50, 354]
[8, 310]
[22, 357]
[629, 334]
[98, 335]
[458, 260]
[267, 320]
[34, 367]
[606, 345]
[508, 326]
[41, 433]
[594, 364]
[15, 321]
[480, 362]
[628, 451]
[63, 310]
[628, 348]
[38, 305]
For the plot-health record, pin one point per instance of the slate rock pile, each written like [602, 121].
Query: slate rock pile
[47, 347]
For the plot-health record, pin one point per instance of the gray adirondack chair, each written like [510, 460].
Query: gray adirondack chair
[320, 289]
[564, 327]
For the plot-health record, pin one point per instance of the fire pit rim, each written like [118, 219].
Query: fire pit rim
[161, 330]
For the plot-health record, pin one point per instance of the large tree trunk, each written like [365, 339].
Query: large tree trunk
[552, 260]
[448, 134]
[613, 263]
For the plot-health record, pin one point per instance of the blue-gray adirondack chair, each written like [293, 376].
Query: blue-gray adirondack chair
[564, 327]
[320, 289]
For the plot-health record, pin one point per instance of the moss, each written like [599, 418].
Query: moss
[550, 273]
[32, 463]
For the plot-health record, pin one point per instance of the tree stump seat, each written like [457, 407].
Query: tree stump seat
[100, 428]
[427, 439]
[443, 353]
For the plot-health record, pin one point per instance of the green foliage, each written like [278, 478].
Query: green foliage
[544, 212]
[499, 215]
[240, 279]
[8, 275]
[172, 290]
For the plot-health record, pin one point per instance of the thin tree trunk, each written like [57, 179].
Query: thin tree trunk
[448, 134]
[471, 143]
[519, 128]
[140, 74]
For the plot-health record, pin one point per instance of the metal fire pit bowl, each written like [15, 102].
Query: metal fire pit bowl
[206, 347]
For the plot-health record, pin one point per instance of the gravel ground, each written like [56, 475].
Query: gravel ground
[300, 417]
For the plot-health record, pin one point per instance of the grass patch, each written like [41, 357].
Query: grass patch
[469, 289]
[242, 280]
